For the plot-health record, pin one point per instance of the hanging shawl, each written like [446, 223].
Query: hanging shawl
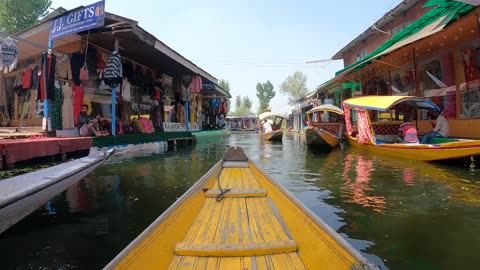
[365, 133]
[8, 51]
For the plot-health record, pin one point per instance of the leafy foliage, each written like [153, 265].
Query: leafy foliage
[243, 106]
[295, 86]
[226, 86]
[16, 15]
[265, 93]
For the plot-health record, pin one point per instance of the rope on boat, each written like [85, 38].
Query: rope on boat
[221, 196]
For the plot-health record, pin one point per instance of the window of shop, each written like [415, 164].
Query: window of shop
[437, 77]
[469, 56]
[403, 82]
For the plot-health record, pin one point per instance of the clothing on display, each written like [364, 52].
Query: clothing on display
[196, 84]
[63, 67]
[113, 71]
[76, 63]
[47, 78]
[56, 108]
[77, 101]
[126, 90]
[9, 54]
[68, 121]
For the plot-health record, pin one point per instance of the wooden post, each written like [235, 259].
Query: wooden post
[15, 108]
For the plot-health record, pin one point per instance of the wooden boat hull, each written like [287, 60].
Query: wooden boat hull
[425, 152]
[23, 194]
[273, 136]
[320, 138]
[257, 225]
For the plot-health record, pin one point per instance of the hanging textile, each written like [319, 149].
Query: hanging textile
[8, 51]
[113, 72]
[56, 109]
[76, 63]
[365, 134]
[63, 67]
[77, 101]
[196, 84]
[67, 107]
[47, 78]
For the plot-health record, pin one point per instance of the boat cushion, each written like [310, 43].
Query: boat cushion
[439, 140]
[237, 249]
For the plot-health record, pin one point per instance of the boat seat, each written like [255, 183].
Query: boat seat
[236, 250]
[235, 164]
[213, 193]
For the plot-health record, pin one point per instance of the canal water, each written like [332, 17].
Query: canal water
[400, 214]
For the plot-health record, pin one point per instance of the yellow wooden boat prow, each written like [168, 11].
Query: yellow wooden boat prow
[236, 217]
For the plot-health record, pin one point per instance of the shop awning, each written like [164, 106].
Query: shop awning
[134, 43]
[429, 24]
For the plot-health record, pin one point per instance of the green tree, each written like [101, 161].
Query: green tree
[295, 86]
[226, 86]
[243, 106]
[265, 93]
[16, 15]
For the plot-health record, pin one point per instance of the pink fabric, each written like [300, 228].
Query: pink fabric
[348, 120]
[147, 125]
[196, 85]
[364, 131]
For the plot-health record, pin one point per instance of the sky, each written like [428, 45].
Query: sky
[251, 41]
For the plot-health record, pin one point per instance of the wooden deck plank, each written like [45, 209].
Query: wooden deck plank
[263, 222]
[209, 211]
[237, 249]
[235, 193]
[221, 230]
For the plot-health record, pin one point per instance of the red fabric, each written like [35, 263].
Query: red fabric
[470, 65]
[27, 78]
[158, 94]
[77, 101]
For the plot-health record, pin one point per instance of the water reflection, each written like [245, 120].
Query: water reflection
[356, 190]
[401, 214]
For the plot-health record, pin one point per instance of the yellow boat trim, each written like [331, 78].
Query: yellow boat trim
[236, 249]
[237, 193]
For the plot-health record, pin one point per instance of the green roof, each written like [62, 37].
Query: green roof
[444, 6]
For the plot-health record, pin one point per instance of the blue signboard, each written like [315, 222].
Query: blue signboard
[82, 19]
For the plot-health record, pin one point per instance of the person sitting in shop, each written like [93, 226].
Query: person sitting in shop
[88, 125]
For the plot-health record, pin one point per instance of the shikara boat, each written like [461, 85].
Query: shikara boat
[277, 120]
[237, 217]
[365, 136]
[21, 195]
[325, 126]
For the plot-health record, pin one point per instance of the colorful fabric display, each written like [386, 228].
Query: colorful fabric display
[8, 51]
